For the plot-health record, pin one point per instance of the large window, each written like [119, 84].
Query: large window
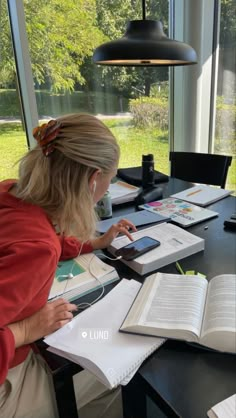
[12, 136]
[132, 102]
[225, 125]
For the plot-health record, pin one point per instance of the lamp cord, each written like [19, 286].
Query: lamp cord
[144, 9]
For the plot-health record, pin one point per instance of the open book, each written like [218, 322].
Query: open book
[92, 339]
[187, 308]
[89, 272]
[180, 212]
[176, 243]
[202, 195]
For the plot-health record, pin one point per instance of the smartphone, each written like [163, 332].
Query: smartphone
[137, 248]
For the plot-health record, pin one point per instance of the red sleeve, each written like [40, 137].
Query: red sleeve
[26, 272]
[71, 247]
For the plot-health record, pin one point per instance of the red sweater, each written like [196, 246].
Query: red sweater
[29, 253]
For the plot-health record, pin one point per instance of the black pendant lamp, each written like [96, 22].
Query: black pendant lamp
[144, 44]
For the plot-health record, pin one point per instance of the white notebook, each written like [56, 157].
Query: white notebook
[202, 195]
[92, 339]
[224, 409]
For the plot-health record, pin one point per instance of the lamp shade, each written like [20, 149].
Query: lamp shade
[144, 44]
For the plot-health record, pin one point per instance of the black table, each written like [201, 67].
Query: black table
[182, 380]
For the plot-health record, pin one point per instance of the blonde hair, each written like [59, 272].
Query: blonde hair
[59, 183]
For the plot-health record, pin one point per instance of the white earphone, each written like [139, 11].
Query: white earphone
[66, 276]
[94, 186]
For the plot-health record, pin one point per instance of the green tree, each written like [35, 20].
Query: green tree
[7, 66]
[61, 34]
[228, 22]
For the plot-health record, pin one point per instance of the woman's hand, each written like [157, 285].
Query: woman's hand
[122, 227]
[48, 319]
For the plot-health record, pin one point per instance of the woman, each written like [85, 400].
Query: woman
[41, 214]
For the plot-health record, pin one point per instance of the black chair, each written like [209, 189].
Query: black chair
[200, 168]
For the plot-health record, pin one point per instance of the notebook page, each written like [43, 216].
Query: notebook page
[119, 354]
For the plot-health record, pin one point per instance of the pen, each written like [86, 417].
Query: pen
[196, 191]
[179, 268]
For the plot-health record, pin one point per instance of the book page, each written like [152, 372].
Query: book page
[176, 302]
[219, 325]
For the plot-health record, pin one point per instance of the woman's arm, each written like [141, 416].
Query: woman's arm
[45, 321]
[71, 246]
[122, 227]
[27, 270]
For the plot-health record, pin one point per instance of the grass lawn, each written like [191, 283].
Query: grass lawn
[13, 146]
[133, 143]
[136, 142]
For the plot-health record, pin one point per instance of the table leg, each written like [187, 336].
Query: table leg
[65, 396]
[134, 399]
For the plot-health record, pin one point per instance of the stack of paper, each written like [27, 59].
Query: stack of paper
[92, 339]
[122, 192]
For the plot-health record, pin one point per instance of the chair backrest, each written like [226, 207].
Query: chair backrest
[200, 168]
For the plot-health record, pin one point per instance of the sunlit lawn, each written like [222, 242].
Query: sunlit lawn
[136, 142]
[133, 143]
[12, 147]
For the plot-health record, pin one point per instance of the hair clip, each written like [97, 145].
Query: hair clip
[46, 134]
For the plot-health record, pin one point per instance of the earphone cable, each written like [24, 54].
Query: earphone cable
[84, 305]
